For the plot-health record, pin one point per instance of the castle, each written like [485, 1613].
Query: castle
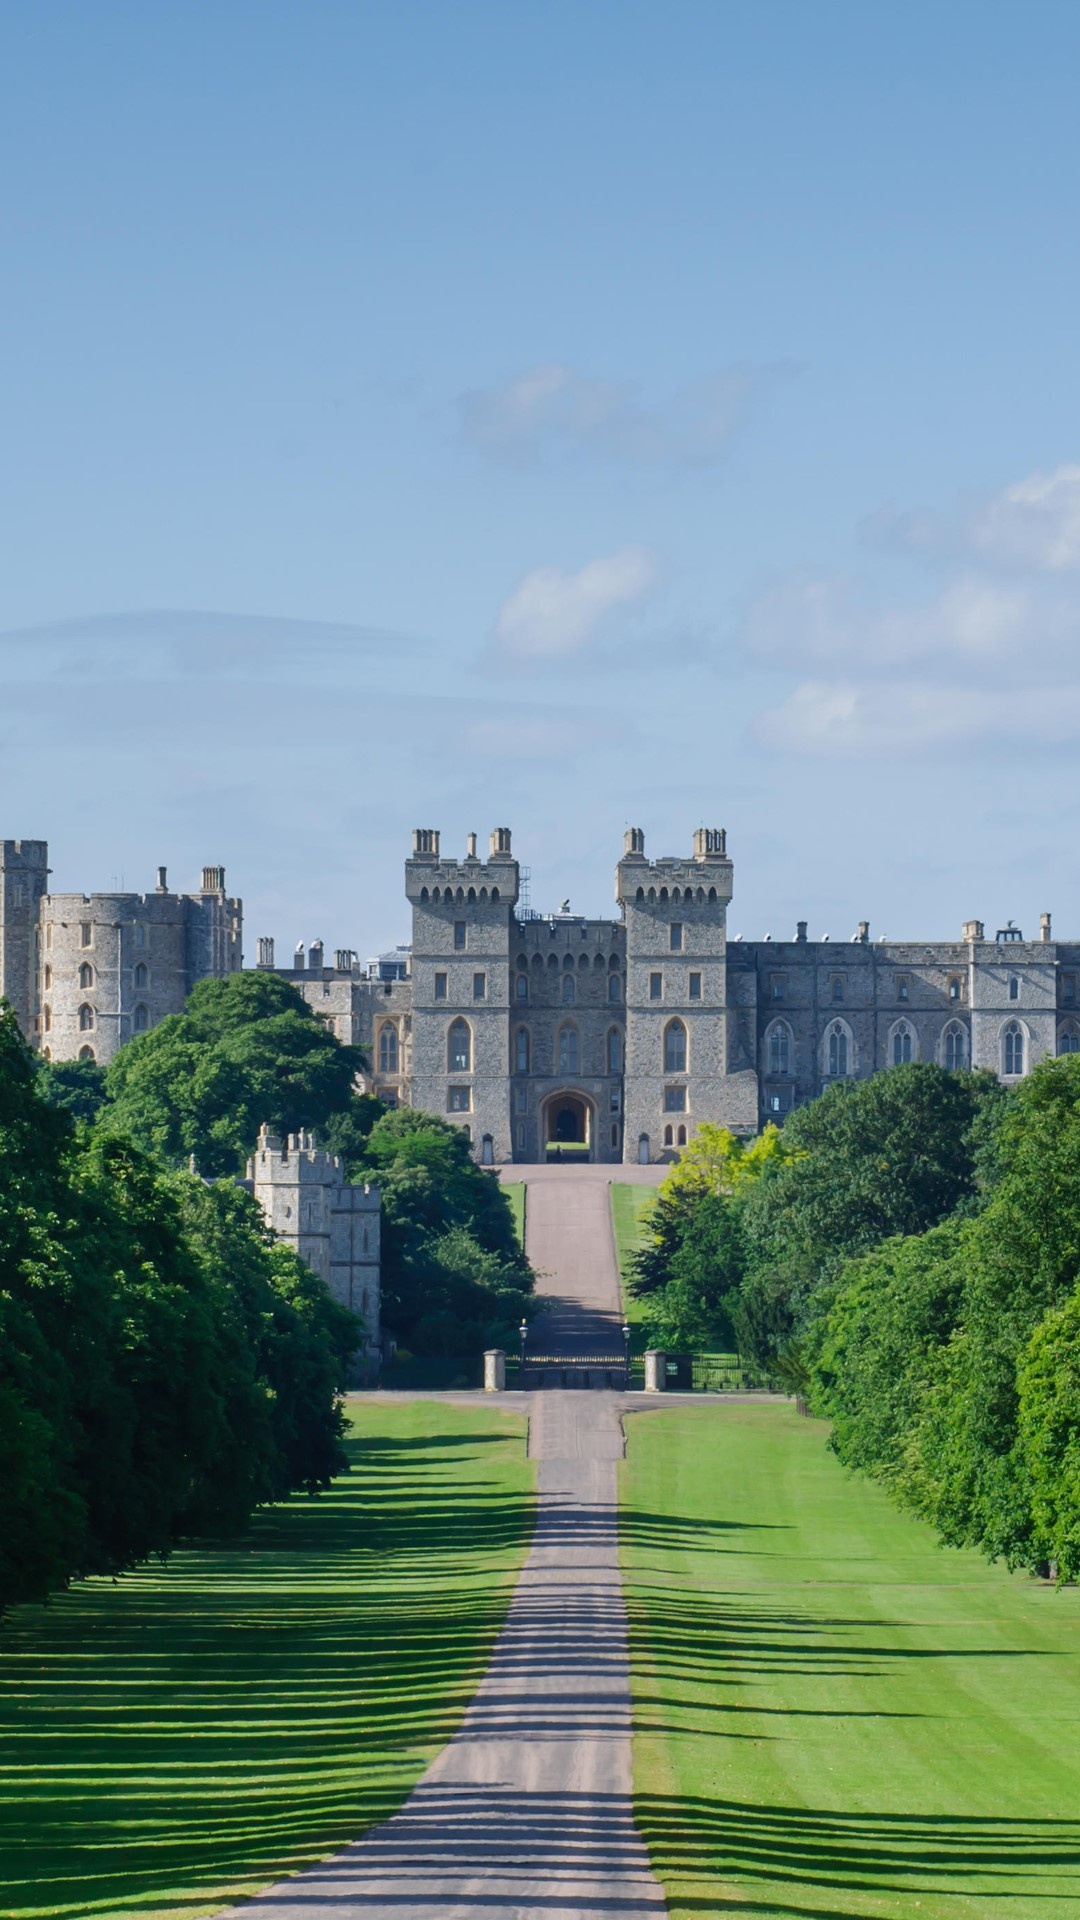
[538, 1032]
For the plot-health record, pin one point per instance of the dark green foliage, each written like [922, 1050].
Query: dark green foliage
[77, 1086]
[689, 1270]
[163, 1368]
[453, 1274]
[246, 1051]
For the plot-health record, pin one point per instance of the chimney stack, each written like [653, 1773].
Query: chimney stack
[634, 842]
[162, 883]
[1044, 928]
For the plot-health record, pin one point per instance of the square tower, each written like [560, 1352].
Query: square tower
[463, 918]
[677, 1015]
[24, 878]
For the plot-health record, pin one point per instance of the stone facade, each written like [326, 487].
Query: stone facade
[621, 1036]
[334, 1227]
[87, 971]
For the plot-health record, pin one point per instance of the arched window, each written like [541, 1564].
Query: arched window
[569, 988]
[669, 1136]
[1014, 987]
[47, 1019]
[674, 1047]
[838, 1050]
[779, 1049]
[954, 988]
[614, 987]
[680, 1138]
[522, 988]
[902, 1044]
[614, 1050]
[86, 975]
[142, 978]
[459, 1048]
[86, 1019]
[954, 1047]
[86, 1053]
[388, 1049]
[141, 1021]
[1012, 1048]
[48, 978]
[521, 1051]
[569, 1052]
[1069, 1041]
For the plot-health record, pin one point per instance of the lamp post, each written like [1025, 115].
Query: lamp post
[523, 1331]
[626, 1350]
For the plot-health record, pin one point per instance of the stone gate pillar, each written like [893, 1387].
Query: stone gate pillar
[655, 1371]
[495, 1370]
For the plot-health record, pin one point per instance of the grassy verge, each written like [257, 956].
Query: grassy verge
[515, 1193]
[834, 1715]
[628, 1204]
[174, 1741]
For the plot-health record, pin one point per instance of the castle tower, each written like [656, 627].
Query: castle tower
[332, 1225]
[24, 878]
[463, 916]
[677, 1015]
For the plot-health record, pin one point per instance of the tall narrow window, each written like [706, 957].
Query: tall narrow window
[521, 1051]
[779, 1050]
[141, 1022]
[86, 975]
[954, 989]
[901, 1044]
[87, 933]
[459, 1048]
[47, 1019]
[522, 988]
[656, 986]
[568, 1050]
[479, 986]
[954, 1052]
[48, 978]
[440, 986]
[676, 936]
[838, 987]
[838, 1052]
[569, 989]
[675, 1047]
[614, 987]
[614, 1050]
[1012, 1049]
[141, 976]
[86, 1019]
[388, 1050]
[695, 986]
[680, 1138]
[669, 1136]
[1014, 987]
[1069, 1042]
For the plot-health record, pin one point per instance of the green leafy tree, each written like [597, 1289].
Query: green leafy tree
[246, 1051]
[1048, 1417]
[76, 1086]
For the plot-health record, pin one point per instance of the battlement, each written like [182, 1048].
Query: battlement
[431, 879]
[704, 878]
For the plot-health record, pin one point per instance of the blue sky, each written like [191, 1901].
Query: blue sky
[554, 415]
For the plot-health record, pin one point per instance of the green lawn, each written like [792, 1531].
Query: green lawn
[515, 1193]
[176, 1740]
[835, 1715]
[628, 1203]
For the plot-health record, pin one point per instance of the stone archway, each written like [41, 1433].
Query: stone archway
[567, 1120]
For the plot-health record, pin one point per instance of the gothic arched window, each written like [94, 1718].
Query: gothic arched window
[614, 987]
[521, 1051]
[1012, 1048]
[1069, 1041]
[141, 1022]
[954, 1047]
[388, 1050]
[838, 1051]
[569, 1053]
[142, 978]
[614, 1050]
[86, 975]
[674, 1047]
[569, 989]
[86, 1019]
[901, 1044]
[779, 1049]
[459, 1048]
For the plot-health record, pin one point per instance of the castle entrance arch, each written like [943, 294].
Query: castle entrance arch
[567, 1121]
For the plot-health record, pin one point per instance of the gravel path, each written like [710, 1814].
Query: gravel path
[527, 1812]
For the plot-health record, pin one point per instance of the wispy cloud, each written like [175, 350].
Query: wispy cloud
[842, 719]
[554, 614]
[156, 642]
[1033, 525]
[553, 410]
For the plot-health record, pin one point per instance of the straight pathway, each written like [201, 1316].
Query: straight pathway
[527, 1813]
[570, 1242]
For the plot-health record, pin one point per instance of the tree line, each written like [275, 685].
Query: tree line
[906, 1253]
[165, 1365]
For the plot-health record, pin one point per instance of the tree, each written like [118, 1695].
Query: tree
[76, 1086]
[1048, 1418]
[246, 1051]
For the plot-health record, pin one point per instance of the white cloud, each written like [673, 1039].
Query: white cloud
[554, 614]
[841, 719]
[1033, 525]
[552, 409]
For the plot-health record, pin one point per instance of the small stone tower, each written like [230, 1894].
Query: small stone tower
[463, 918]
[24, 878]
[676, 996]
[331, 1225]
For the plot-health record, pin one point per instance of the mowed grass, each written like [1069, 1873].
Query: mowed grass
[835, 1715]
[182, 1737]
[515, 1193]
[628, 1206]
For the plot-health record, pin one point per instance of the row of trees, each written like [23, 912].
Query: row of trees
[907, 1253]
[164, 1366]
[249, 1049]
